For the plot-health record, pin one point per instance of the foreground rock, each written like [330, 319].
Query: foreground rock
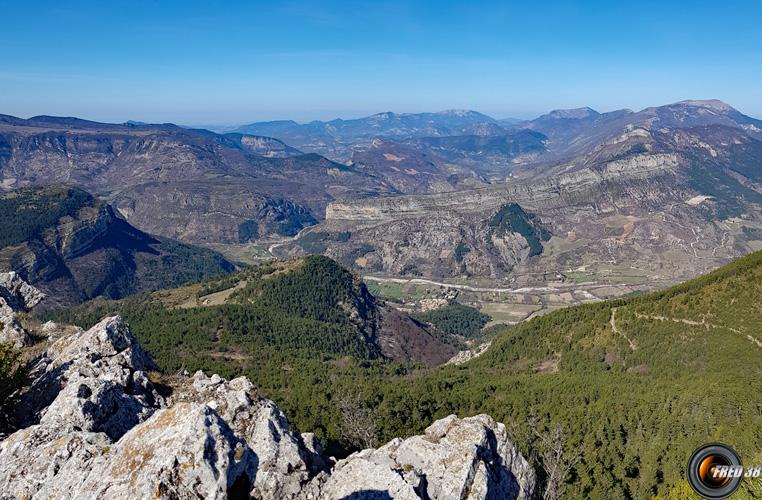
[93, 425]
[456, 459]
[96, 427]
[15, 295]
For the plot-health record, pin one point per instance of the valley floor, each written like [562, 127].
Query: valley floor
[506, 305]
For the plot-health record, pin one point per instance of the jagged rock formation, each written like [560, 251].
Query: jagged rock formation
[15, 295]
[93, 425]
[466, 459]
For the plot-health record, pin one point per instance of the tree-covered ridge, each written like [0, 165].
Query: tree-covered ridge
[27, 212]
[74, 247]
[637, 383]
[317, 289]
[312, 304]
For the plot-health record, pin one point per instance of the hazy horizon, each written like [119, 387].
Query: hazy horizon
[329, 116]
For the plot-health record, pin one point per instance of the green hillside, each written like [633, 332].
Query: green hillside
[26, 213]
[635, 384]
[455, 319]
[304, 307]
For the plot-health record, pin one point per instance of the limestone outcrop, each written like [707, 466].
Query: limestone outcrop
[93, 426]
[455, 459]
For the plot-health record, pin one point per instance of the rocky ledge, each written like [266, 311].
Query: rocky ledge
[94, 426]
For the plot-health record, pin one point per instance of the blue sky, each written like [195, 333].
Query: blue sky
[214, 62]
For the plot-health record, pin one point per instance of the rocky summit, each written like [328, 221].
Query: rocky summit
[92, 424]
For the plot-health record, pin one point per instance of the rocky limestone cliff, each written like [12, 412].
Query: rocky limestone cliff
[15, 295]
[427, 246]
[93, 425]
[577, 186]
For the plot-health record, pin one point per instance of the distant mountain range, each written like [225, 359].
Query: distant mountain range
[666, 192]
[334, 138]
[192, 185]
[562, 125]
[388, 124]
[573, 131]
[674, 189]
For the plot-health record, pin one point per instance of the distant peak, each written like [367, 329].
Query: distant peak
[487, 128]
[458, 112]
[714, 104]
[386, 115]
[576, 113]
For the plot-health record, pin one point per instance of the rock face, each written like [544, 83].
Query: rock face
[15, 295]
[95, 426]
[465, 459]
[219, 211]
[552, 192]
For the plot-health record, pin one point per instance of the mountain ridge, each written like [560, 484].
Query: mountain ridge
[74, 247]
[118, 162]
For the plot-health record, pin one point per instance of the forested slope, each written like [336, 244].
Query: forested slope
[634, 385]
